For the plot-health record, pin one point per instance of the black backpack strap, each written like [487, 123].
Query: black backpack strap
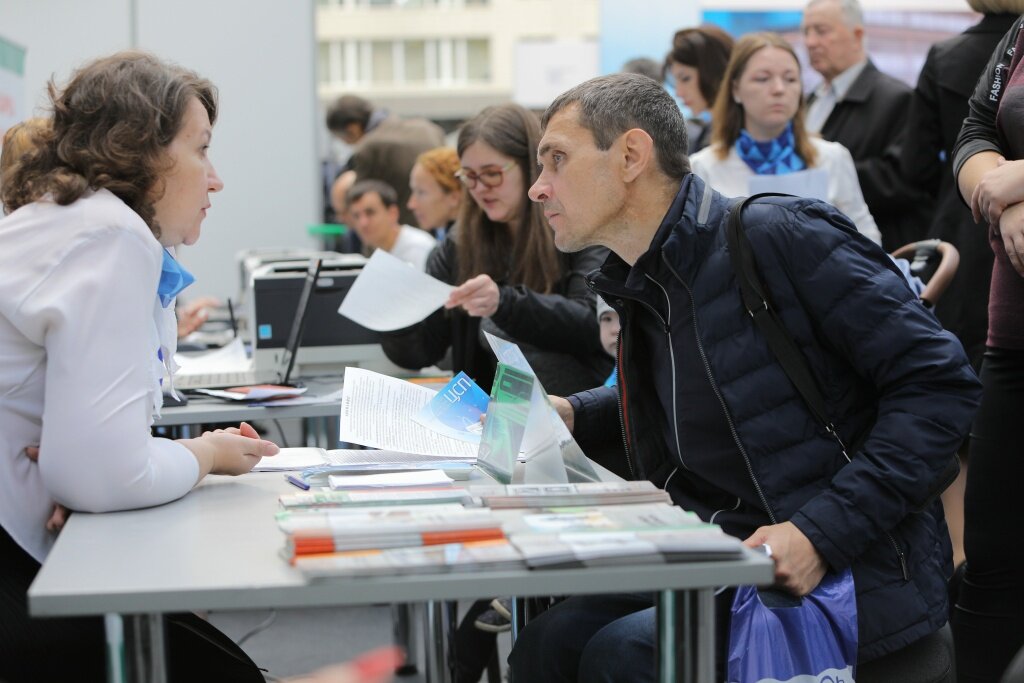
[758, 305]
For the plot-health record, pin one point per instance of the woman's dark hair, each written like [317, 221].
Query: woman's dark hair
[706, 49]
[727, 116]
[111, 126]
[524, 254]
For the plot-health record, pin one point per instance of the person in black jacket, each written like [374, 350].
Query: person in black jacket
[937, 111]
[864, 110]
[707, 410]
[988, 163]
[512, 282]
[511, 279]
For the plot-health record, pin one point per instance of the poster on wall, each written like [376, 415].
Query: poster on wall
[12, 84]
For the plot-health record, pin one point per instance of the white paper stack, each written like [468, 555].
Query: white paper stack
[553, 495]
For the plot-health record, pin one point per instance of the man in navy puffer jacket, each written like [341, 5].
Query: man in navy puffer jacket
[704, 409]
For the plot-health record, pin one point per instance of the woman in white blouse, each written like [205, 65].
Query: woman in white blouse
[759, 129]
[86, 331]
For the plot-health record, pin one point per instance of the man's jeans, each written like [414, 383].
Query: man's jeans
[593, 638]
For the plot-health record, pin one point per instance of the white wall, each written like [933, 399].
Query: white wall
[260, 54]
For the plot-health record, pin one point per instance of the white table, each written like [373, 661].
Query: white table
[217, 549]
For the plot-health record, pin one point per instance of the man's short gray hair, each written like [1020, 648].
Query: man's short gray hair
[853, 13]
[608, 106]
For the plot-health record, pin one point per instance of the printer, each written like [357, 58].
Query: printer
[252, 259]
[330, 341]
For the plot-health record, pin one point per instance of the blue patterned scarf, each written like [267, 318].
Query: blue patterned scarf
[774, 157]
[173, 279]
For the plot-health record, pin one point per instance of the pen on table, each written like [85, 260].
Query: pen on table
[295, 481]
[234, 323]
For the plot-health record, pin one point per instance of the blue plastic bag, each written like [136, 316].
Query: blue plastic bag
[795, 640]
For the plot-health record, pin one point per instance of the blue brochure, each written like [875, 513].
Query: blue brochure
[455, 411]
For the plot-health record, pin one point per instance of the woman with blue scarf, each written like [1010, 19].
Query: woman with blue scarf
[759, 130]
[98, 203]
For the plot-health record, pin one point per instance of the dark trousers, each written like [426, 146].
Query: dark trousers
[988, 620]
[599, 639]
[73, 649]
[473, 648]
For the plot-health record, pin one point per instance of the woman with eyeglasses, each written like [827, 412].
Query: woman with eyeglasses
[510, 279]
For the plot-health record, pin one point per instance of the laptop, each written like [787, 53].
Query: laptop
[285, 362]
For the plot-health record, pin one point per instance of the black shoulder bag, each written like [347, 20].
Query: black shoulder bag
[756, 301]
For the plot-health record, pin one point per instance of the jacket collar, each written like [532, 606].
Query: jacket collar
[683, 237]
[860, 89]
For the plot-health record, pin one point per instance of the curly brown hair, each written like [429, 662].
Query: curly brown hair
[110, 129]
[19, 140]
[527, 254]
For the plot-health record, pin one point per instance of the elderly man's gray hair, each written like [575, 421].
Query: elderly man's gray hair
[853, 14]
[608, 106]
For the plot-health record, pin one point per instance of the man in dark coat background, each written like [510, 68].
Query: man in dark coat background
[864, 110]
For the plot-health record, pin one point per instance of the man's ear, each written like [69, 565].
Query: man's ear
[638, 148]
[393, 213]
[858, 33]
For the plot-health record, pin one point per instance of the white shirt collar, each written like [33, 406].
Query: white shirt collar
[841, 83]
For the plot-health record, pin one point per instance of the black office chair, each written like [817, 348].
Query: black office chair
[929, 660]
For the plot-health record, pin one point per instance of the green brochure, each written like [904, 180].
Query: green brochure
[552, 455]
[507, 414]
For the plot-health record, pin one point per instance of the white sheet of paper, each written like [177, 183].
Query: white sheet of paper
[390, 480]
[377, 411]
[228, 358]
[390, 294]
[288, 459]
[255, 394]
[811, 183]
[332, 397]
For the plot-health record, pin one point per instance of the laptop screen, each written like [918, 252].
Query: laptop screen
[291, 349]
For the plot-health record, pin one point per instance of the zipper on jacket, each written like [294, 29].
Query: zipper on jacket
[672, 363]
[718, 394]
[899, 554]
[734, 508]
[621, 396]
[622, 393]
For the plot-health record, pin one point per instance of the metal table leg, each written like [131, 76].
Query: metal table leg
[685, 644]
[401, 625]
[436, 640]
[136, 646]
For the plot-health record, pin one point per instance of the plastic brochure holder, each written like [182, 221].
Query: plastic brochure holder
[552, 455]
[505, 426]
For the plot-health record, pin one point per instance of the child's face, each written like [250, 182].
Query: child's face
[609, 331]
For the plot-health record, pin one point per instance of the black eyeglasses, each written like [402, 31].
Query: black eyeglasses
[491, 177]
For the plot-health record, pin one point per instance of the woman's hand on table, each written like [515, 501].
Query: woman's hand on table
[235, 450]
[478, 296]
[60, 513]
